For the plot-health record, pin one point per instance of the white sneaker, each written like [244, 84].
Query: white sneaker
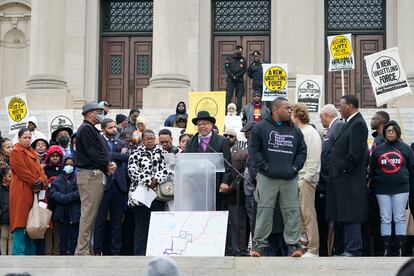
[310, 255]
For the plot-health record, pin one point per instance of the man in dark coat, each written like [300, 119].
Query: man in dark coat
[235, 68]
[255, 72]
[346, 190]
[207, 141]
[180, 110]
[332, 124]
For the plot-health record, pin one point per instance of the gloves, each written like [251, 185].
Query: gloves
[38, 185]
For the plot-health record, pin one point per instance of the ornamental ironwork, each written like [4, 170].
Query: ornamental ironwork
[115, 65]
[143, 65]
[358, 15]
[241, 15]
[127, 15]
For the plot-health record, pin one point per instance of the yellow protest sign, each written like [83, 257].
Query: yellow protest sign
[212, 101]
[340, 52]
[275, 81]
[17, 111]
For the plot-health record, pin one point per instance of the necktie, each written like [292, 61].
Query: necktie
[204, 142]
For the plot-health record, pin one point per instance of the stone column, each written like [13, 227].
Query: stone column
[169, 83]
[46, 85]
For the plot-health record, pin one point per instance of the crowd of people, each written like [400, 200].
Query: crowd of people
[293, 191]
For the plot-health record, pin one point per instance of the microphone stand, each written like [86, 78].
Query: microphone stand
[240, 251]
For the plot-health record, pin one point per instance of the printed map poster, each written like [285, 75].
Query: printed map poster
[387, 76]
[212, 101]
[201, 234]
[17, 112]
[309, 91]
[341, 53]
[275, 81]
[60, 118]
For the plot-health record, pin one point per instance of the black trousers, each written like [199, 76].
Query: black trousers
[142, 219]
[238, 225]
[114, 202]
[353, 238]
[230, 87]
[323, 225]
[68, 237]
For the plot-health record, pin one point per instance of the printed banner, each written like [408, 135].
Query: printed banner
[275, 81]
[187, 234]
[387, 76]
[59, 118]
[213, 101]
[341, 53]
[17, 112]
[309, 91]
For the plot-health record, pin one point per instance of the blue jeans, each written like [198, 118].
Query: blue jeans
[23, 244]
[392, 206]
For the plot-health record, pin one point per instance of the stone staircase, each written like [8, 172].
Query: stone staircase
[155, 119]
[202, 266]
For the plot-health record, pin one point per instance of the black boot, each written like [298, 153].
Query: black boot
[401, 244]
[386, 241]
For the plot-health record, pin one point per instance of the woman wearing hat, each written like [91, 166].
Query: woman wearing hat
[207, 141]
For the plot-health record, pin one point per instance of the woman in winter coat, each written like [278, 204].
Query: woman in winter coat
[392, 174]
[64, 192]
[28, 178]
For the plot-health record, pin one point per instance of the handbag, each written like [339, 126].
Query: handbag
[38, 220]
[409, 222]
[165, 191]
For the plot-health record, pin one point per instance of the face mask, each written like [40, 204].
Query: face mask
[41, 154]
[100, 117]
[68, 169]
[64, 140]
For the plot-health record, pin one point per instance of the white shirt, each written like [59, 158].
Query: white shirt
[352, 116]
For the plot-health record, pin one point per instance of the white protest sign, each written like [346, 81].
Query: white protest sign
[387, 76]
[60, 118]
[341, 53]
[17, 112]
[275, 81]
[187, 234]
[235, 123]
[309, 91]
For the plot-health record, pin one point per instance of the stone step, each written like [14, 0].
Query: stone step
[202, 266]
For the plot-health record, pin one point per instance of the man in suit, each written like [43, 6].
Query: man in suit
[115, 193]
[332, 124]
[346, 190]
[206, 140]
[234, 199]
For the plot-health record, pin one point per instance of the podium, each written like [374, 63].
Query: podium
[195, 180]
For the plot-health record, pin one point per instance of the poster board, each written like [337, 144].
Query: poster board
[309, 91]
[275, 81]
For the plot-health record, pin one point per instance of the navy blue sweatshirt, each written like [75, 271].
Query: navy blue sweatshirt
[392, 168]
[278, 149]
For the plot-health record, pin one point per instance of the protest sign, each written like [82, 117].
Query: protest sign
[213, 101]
[59, 118]
[341, 53]
[309, 91]
[17, 112]
[187, 234]
[387, 76]
[235, 123]
[275, 81]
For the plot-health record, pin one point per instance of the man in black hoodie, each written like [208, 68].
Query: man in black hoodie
[180, 110]
[278, 153]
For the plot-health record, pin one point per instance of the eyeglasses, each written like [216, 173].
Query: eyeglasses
[228, 135]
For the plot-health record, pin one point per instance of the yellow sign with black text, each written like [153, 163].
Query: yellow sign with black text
[275, 81]
[17, 111]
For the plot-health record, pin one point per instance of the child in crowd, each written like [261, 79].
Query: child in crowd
[64, 192]
[40, 145]
[6, 238]
[53, 169]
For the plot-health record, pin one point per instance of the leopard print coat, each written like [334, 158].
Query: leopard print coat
[143, 165]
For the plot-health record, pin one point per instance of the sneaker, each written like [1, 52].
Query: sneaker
[295, 250]
[304, 239]
[259, 252]
[309, 254]
[255, 253]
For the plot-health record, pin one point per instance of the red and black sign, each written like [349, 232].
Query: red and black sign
[390, 162]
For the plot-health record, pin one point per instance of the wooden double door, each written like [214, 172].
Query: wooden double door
[357, 80]
[225, 46]
[126, 70]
